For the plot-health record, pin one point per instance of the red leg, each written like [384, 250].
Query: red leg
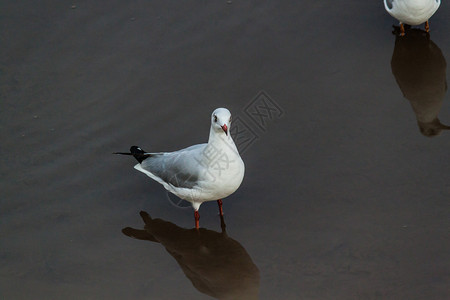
[402, 29]
[222, 224]
[220, 207]
[427, 26]
[197, 219]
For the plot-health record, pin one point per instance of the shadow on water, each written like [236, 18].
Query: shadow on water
[420, 71]
[216, 264]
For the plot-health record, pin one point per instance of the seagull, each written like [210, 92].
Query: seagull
[412, 12]
[199, 173]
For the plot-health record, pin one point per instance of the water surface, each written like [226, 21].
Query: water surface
[343, 197]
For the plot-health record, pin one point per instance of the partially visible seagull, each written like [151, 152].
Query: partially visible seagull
[412, 12]
[199, 173]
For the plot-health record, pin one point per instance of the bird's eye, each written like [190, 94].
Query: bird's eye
[215, 118]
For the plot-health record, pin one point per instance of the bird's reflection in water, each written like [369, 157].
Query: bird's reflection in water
[420, 70]
[216, 264]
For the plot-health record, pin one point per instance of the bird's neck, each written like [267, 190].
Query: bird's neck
[219, 139]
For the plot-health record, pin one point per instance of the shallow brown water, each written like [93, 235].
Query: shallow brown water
[343, 197]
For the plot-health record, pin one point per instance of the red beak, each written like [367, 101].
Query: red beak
[225, 128]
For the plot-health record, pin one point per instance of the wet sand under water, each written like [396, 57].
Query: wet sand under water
[343, 197]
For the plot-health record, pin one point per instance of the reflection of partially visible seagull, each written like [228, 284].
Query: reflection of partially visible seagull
[420, 71]
[412, 12]
[216, 264]
[199, 173]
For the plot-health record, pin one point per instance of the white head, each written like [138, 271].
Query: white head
[221, 120]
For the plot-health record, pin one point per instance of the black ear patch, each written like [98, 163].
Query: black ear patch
[389, 3]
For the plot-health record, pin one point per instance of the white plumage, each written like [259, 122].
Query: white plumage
[199, 173]
[412, 12]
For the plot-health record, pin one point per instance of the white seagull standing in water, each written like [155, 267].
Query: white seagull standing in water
[412, 12]
[199, 173]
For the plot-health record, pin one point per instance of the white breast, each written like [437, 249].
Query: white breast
[412, 12]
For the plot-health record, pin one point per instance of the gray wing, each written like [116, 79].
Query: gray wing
[180, 169]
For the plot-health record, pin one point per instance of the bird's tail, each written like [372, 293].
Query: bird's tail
[137, 153]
